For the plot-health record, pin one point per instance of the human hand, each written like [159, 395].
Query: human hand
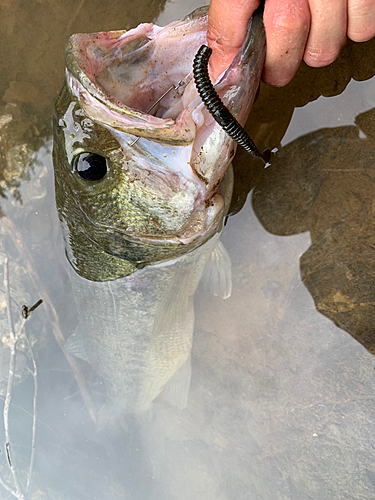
[311, 30]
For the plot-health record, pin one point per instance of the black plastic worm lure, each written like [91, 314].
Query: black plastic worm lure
[217, 109]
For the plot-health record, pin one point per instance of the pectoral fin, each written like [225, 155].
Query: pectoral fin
[217, 275]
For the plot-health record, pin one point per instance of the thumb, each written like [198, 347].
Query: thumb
[227, 25]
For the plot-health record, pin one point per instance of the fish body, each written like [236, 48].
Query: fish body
[160, 197]
[137, 331]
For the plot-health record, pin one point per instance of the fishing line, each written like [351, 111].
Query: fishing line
[174, 87]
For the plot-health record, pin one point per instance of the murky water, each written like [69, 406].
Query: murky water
[281, 389]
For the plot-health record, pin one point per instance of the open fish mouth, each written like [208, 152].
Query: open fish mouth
[119, 76]
[130, 97]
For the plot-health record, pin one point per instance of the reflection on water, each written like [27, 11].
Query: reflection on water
[281, 396]
[324, 184]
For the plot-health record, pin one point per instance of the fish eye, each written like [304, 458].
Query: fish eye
[91, 166]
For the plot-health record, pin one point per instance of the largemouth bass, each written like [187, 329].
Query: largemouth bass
[125, 204]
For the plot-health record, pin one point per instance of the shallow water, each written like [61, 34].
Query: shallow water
[282, 391]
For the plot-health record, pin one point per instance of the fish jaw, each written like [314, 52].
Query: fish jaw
[175, 168]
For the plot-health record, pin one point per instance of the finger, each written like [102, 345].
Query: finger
[361, 20]
[287, 27]
[227, 25]
[327, 31]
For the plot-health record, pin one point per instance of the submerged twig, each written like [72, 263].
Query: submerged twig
[173, 87]
[12, 364]
[7, 446]
[7, 298]
[35, 375]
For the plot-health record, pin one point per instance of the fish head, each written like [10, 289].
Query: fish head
[134, 180]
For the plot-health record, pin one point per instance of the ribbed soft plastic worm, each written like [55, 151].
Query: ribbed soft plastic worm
[217, 109]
